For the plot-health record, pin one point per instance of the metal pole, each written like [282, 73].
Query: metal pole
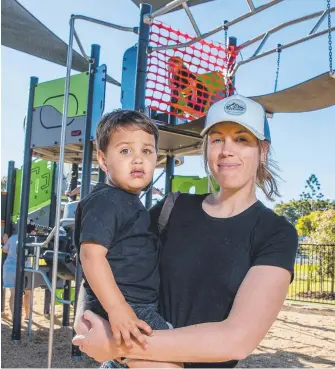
[102, 176]
[74, 179]
[232, 41]
[86, 167]
[165, 9]
[66, 307]
[88, 143]
[170, 162]
[251, 5]
[53, 200]
[142, 59]
[191, 18]
[106, 24]
[141, 72]
[10, 197]
[47, 293]
[218, 29]
[59, 191]
[148, 198]
[294, 43]
[31, 302]
[169, 173]
[25, 187]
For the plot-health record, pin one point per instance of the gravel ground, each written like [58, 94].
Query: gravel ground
[301, 337]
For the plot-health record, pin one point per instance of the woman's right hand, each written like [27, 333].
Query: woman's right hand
[98, 342]
[81, 325]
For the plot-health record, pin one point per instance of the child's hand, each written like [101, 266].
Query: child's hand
[124, 323]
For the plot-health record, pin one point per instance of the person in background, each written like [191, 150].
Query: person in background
[9, 270]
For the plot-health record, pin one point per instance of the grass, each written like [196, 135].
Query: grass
[300, 289]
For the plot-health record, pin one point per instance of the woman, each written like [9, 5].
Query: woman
[227, 260]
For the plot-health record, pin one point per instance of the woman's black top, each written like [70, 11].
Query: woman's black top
[205, 259]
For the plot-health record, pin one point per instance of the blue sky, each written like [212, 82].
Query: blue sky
[302, 143]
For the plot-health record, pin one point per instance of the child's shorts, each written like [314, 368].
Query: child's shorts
[147, 312]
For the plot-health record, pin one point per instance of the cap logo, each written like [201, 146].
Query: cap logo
[235, 107]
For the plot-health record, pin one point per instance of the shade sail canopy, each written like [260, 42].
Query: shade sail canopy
[21, 31]
[315, 94]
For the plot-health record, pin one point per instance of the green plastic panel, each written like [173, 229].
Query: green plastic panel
[40, 187]
[185, 183]
[52, 94]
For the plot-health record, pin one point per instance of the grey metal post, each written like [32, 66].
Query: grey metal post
[101, 176]
[170, 161]
[88, 144]
[232, 41]
[10, 196]
[169, 173]
[25, 187]
[74, 180]
[86, 167]
[148, 198]
[66, 307]
[142, 59]
[141, 71]
[37, 252]
[59, 190]
[53, 203]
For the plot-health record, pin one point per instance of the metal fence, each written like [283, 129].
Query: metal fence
[314, 274]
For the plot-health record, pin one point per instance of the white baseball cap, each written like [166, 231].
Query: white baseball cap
[242, 110]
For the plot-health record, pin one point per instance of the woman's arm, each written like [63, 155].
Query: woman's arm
[256, 306]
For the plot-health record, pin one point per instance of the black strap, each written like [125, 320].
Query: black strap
[166, 210]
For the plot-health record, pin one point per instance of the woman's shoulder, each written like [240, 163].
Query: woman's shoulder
[277, 221]
[275, 241]
[181, 201]
[271, 225]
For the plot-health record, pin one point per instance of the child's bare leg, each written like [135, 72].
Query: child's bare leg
[11, 300]
[152, 364]
[26, 303]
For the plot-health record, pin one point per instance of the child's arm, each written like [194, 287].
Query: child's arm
[122, 318]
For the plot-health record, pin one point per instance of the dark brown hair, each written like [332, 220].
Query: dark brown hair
[120, 119]
[267, 175]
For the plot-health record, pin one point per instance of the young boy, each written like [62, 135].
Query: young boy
[118, 254]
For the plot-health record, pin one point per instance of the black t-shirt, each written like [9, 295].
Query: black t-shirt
[205, 259]
[117, 220]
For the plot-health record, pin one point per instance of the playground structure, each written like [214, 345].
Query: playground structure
[170, 75]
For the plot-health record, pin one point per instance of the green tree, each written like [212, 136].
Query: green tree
[312, 188]
[307, 224]
[325, 228]
[319, 226]
[295, 209]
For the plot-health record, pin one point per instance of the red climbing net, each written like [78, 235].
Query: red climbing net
[185, 82]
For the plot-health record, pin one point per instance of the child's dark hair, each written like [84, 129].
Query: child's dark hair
[119, 119]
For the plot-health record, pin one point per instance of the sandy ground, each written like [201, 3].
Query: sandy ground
[302, 337]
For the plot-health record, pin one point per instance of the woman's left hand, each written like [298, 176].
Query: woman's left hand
[98, 342]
